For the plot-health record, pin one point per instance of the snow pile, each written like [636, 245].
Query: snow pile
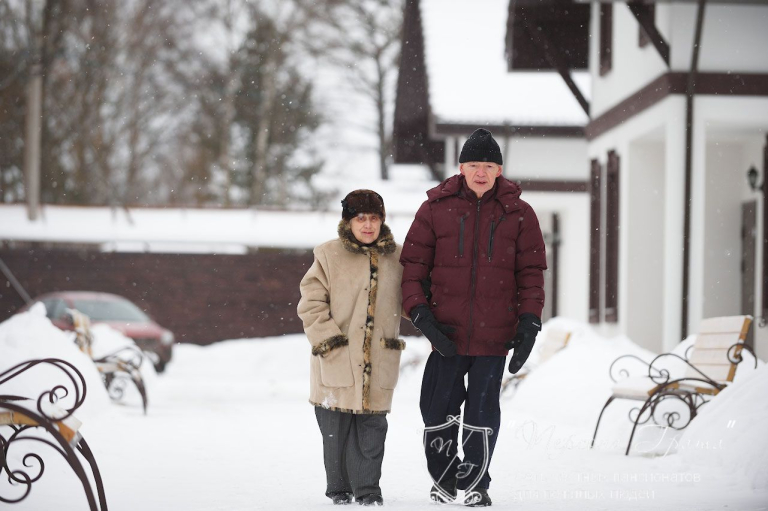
[572, 387]
[574, 383]
[31, 335]
[729, 431]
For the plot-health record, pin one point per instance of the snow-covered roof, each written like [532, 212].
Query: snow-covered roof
[177, 230]
[467, 71]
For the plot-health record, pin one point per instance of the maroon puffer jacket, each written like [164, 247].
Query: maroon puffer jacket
[485, 258]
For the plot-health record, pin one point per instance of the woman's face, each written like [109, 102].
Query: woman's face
[366, 227]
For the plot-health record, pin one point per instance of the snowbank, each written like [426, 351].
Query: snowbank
[31, 335]
[571, 388]
[729, 431]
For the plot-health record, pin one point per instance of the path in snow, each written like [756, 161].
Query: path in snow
[229, 428]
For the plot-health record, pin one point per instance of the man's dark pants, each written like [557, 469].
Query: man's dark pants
[442, 393]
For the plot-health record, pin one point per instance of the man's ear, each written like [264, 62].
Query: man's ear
[500, 172]
[461, 169]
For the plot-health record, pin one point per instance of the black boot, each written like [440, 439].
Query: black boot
[340, 498]
[444, 493]
[372, 499]
[477, 498]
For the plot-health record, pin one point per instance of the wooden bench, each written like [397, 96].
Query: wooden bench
[710, 365]
[555, 340]
[118, 367]
[24, 417]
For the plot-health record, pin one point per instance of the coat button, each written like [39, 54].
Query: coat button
[509, 308]
[434, 304]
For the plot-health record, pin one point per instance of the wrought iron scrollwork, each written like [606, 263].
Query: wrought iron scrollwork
[27, 418]
[72, 385]
[693, 389]
[121, 367]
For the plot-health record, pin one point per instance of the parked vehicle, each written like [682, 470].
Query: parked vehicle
[117, 312]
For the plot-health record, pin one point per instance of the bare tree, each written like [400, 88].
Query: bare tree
[139, 111]
[362, 37]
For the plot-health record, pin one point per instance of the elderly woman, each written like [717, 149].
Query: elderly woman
[350, 307]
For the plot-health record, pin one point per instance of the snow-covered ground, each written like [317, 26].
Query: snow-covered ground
[229, 428]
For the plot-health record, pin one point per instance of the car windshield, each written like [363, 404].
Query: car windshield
[113, 310]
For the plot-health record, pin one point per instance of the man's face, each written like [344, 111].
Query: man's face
[366, 227]
[480, 175]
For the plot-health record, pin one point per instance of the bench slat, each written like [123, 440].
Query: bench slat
[717, 341]
[68, 427]
[716, 356]
[718, 372]
[738, 324]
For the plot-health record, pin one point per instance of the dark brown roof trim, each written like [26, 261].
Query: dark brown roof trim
[448, 129]
[553, 185]
[645, 15]
[721, 84]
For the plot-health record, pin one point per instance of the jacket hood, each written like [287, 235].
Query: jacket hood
[507, 192]
[384, 244]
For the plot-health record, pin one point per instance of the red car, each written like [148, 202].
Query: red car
[117, 312]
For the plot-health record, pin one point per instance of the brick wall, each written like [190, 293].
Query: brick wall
[201, 298]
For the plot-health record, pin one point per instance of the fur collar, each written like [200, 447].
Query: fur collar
[385, 244]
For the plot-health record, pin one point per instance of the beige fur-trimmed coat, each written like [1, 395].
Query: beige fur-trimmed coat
[350, 306]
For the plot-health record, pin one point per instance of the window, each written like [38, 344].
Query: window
[54, 308]
[117, 310]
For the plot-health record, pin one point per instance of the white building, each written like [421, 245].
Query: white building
[670, 230]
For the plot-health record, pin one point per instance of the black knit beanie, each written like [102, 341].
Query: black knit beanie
[362, 201]
[480, 146]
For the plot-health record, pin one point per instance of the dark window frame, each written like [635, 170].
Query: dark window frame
[606, 38]
[612, 227]
[595, 241]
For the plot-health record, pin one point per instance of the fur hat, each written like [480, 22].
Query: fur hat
[362, 201]
[480, 146]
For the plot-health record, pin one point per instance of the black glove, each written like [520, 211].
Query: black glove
[437, 333]
[528, 326]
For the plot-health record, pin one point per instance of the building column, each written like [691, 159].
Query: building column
[674, 209]
[697, 245]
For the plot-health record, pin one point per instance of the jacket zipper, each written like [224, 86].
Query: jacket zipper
[475, 244]
[461, 235]
[490, 241]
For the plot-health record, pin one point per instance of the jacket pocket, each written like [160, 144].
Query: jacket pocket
[461, 234]
[388, 368]
[335, 365]
[494, 225]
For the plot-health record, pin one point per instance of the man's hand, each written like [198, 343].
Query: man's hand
[528, 326]
[437, 333]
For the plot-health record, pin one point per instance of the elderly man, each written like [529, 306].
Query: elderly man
[473, 264]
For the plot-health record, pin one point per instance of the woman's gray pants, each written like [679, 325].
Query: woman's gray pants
[353, 450]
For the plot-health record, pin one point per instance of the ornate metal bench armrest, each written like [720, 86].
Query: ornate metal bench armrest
[616, 373]
[705, 377]
[73, 384]
[132, 362]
